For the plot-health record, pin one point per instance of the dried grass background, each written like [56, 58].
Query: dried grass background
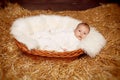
[15, 65]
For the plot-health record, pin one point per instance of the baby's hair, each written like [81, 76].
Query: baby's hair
[84, 24]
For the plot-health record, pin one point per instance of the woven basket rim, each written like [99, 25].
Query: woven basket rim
[46, 53]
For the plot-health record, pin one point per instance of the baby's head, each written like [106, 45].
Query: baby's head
[81, 31]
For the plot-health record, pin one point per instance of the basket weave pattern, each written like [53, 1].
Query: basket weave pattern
[66, 54]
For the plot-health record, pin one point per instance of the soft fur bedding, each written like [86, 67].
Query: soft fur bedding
[53, 32]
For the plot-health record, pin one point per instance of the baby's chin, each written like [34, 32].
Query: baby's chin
[79, 38]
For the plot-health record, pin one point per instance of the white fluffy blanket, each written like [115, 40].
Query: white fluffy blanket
[53, 32]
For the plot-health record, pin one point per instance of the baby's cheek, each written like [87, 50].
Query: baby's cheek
[84, 36]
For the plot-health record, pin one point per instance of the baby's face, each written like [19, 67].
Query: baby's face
[81, 32]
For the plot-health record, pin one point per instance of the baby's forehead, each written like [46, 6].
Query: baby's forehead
[82, 26]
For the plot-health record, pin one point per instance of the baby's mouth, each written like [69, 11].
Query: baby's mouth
[80, 37]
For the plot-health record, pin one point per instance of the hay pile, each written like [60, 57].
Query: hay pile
[15, 65]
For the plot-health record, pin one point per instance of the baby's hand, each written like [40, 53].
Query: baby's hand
[64, 49]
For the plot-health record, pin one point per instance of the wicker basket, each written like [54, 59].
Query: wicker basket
[45, 53]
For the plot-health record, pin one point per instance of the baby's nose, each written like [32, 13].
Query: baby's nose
[81, 33]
